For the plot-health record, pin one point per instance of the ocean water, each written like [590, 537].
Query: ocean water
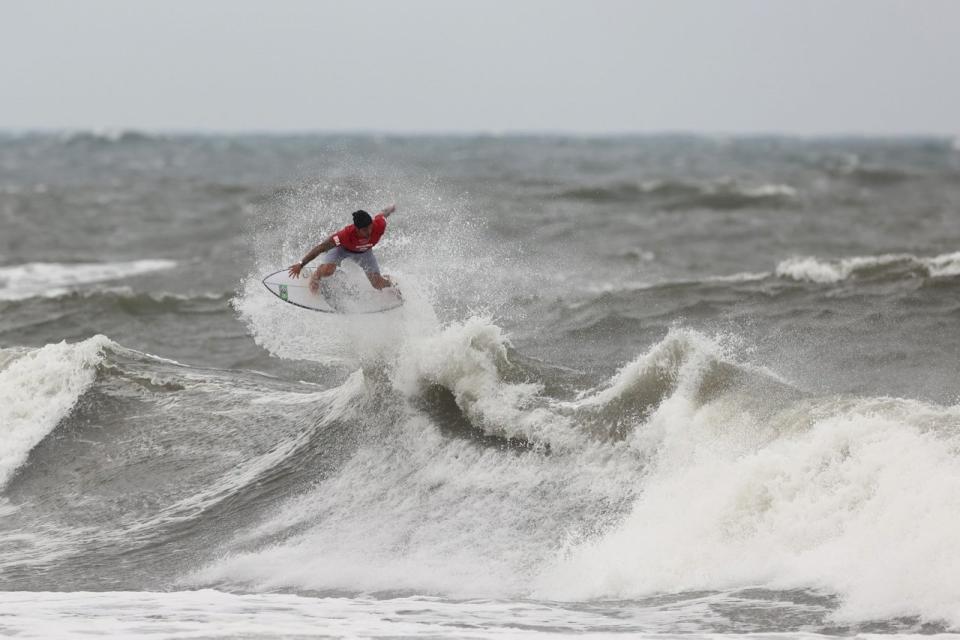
[640, 386]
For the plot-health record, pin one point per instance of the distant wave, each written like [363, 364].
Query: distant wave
[850, 167]
[813, 269]
[878, 176]
[106, 136]
[824, 271]
[677, 194]
[52, 279]
[611, 308]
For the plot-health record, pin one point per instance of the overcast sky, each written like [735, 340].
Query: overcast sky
[712, 66]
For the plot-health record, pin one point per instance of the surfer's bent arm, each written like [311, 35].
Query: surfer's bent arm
[326, 245]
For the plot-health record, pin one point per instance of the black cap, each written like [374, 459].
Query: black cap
[361, 219]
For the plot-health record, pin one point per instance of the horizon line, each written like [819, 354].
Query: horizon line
[110, 131]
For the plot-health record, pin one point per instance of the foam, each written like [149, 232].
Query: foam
[53, 279]
[724, 490]
[208, 613]
[860, 498]
[946, 265]
[426, 511]
[37, 390]
[422, 512]
[468, 358]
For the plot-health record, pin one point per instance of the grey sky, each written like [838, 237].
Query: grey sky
[806, 66]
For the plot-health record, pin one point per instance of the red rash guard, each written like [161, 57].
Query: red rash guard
[349, 239]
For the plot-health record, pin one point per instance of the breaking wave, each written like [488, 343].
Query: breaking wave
[854, 497]
[447, 467]
[688, 470]
[38, 389]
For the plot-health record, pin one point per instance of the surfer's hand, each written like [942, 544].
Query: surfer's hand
[388, 210]
[295, 270]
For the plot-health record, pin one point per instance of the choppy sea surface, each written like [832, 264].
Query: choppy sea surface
[640, 386]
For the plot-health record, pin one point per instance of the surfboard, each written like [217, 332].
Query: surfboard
[338, 293]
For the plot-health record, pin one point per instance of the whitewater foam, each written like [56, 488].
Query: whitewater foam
[946, 265]
[829, 495]
[290, 332]
[425, 510]
[37, 390]
[469, 359]
[208, 613]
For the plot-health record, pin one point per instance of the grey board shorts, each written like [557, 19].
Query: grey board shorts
[366, 260]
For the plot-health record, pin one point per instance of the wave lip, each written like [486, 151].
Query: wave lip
[54, 279]
[39, 389]
[470, 360]
[813, 269]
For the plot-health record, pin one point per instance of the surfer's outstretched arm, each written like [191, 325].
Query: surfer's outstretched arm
[326, 245]
[386, 212]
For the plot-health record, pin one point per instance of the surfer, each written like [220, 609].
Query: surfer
[354, 242]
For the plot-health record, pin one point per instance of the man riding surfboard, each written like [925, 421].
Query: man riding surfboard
[354, 242]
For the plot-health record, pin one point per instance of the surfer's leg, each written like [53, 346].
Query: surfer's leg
[326, 270]
[379, 281]
[328, 265]
[368, 262]
[323, 271]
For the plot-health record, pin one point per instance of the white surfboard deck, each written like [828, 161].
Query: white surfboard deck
[338, 294]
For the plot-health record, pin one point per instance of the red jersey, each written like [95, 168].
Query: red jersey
[349, 239]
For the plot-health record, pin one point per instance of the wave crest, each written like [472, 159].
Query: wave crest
[37, 390]
[470, 359]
